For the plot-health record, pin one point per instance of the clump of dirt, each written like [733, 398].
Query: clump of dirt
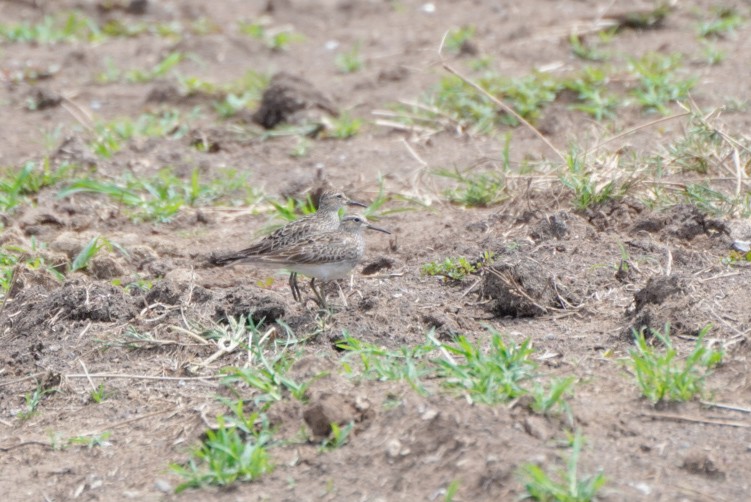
[375, 266]
[106, 267]
[683, 221]
[665, 301]
[26, 278]
[291, 99]
[554, 226]
[166, 292]
[702, 464]
[34, 309]
[40, 98]
[249, 302]
[658, 289]
[614, 214]
[445, 327]
[328, 408]
[519, 289]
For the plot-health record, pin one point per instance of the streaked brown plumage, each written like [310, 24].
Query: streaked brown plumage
[326, 219]
[326, 256]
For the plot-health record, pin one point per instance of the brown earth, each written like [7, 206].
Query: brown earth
[559, 276]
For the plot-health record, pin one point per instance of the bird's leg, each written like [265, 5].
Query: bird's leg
[321, 299]
[294, 287]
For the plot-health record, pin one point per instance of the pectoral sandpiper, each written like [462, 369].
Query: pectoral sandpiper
[326, 219]
[326, 256]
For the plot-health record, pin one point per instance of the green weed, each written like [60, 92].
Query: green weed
[231, 104]
[88, 252]
[712, 54]
[587, 190]
[110, 136]
[527, 95]
[138, 285]
[33, 399]
[139, 75]
[229, 453]
[230, 98]
[701, 150]
[91, 249]
[488, 377]
[452, 268]
[583, 50]
[491, 375]
[451, 490]
[99, 394]
[90, 441]
[271, 380]
[693, 151]
[658, 81]
[592, 93]
[378, 363]
[17, 185]
[338, 437]
[476, 190]
[293, 208]
[161, 197]
[52, 29]
[301, 148]
[14, 257]
[723, 23]
[72, 26]
[566, 486]
[661, 377]
[378, 206]
[268, 375]
[457, 39]
[456, 106]
[276, 39]
[114, 27]
[546, 401]
[349, 61]
[344, 126]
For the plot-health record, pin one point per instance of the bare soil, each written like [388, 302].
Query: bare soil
[579, 303]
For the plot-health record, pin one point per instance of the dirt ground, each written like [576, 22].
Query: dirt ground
[404, 446]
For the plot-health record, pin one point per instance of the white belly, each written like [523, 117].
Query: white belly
[324, 272]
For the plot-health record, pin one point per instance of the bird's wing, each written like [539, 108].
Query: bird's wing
[290, 233]
[324, 248]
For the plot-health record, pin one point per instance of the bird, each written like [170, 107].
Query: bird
[325, 256]
[325, 219]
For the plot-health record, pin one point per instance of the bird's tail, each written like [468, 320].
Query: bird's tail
[220, 260]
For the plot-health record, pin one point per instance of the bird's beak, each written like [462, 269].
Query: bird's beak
[355, 203]
[373, 227]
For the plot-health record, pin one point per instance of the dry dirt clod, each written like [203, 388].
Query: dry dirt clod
[250, 302]
[520, 289]
[326, 409]
[292, 99]
[105, 267]
[683, 221]
[658, 289]
[554, 226]
[701, 463]
[376, 265]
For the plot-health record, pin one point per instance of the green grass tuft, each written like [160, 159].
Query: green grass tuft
[661, 376]
[565, 486]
